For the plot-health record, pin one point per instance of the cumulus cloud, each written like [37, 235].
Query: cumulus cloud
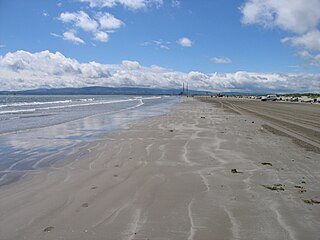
[71, 36]
[79, 19]
[131, 4]
[310, 40]
[221, 60]
[131, 65]
[185, 42]
[108, 21]
[296, 16]
[24, 70]
[96, 27]
[101, 36]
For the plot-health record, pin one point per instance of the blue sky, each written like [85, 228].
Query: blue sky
[226, 38]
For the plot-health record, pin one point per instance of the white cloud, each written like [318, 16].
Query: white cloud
[24, 70]
[101, 36]
[44, 13]
[159, 44]
[71, 36]
[310, 40]
[221, 60]
[131, 4]
[108, 21]
[2, 45]
[313, 60]
[55, 35]
[297, 16]
[131, 65]
[185, 42]
[80, 19]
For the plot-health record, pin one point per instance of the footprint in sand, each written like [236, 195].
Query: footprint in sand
[85, 205]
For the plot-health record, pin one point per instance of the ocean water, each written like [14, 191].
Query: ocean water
[38, 131]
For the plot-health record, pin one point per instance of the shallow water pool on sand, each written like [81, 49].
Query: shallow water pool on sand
[38, 131]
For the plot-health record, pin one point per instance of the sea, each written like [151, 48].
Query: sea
[37, 131]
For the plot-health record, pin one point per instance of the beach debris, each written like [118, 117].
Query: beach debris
[252, 121]
[266, 163]
[275, 187]
[234, 170]
[48, 229]
[311, 201]
[302, 190]
[298, 186]
[203, 117]
[171, 130]
[304, 182]
[93, 187]
[307, 201]
[85, 205]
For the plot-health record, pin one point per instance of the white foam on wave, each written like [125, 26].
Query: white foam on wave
[21, 104]
[90, 103]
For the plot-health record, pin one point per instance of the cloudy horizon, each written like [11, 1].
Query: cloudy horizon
[267, 46]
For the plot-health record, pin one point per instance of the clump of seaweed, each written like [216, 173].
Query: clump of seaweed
[275, 187]
[48, 229]
[266, 163]
[85, 205]
[311, 201]
[234, 170]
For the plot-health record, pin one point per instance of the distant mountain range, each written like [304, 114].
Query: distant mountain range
[102, 91]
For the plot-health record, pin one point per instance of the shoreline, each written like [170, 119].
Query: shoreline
[38, 148]
[170, 177]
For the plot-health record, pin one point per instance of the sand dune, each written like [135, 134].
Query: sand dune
[170, 177]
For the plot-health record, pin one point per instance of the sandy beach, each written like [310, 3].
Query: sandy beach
[207, 170]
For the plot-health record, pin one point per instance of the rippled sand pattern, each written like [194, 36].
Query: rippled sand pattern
[170, 177]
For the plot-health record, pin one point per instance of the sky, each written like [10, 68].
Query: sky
[214, 45]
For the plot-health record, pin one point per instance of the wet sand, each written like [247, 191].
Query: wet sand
[200, 172]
